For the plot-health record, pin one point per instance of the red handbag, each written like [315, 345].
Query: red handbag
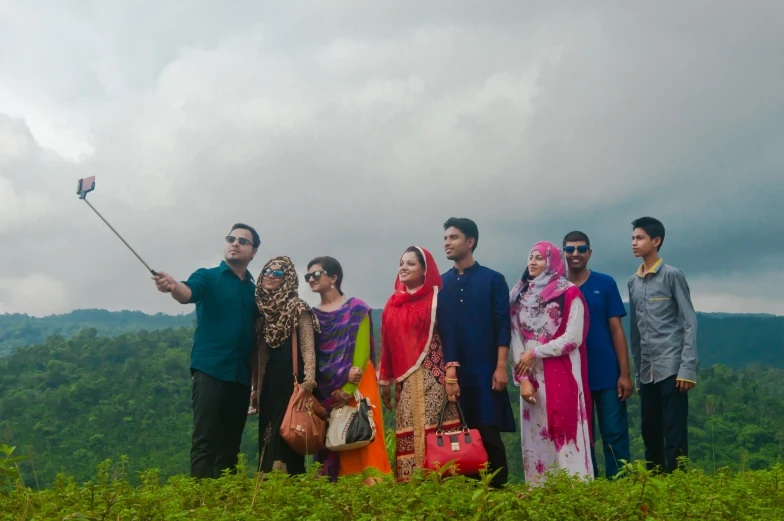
[464, 448]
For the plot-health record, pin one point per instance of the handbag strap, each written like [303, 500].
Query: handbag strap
[463, 424]
[294, 357]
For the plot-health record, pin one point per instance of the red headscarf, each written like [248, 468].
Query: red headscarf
[407, 325]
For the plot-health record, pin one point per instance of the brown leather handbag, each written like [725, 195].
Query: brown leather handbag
[304, 431]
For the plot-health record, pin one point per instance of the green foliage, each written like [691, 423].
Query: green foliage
[684, 495]
[9, 466]
[17, 330]
[70, 403]
[736, 340]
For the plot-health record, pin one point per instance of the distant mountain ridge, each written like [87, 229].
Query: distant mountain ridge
[722, 338]
[736, 340]
[18, 330]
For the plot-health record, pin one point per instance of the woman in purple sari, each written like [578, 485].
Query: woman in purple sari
[345, 354]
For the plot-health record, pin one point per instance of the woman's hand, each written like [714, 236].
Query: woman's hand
[525, 364]
[340, 398]
[355, 375]
[452, 392]
[254, 403]
[304, 400]
[528, 392]
[386, 396]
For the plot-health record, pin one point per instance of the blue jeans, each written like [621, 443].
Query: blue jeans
[614, 427]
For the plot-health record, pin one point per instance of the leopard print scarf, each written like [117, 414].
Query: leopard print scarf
[280, 308]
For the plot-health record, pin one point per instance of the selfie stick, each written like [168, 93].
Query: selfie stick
[86, 186]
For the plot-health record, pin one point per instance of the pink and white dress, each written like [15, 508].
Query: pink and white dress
[550, 319]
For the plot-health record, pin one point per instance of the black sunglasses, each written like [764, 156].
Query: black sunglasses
[242, 240]
[315, 275]
[581, 249]
[278, 274]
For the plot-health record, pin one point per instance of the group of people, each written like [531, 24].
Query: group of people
[444, 338]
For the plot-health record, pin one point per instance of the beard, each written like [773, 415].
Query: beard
[234, 261]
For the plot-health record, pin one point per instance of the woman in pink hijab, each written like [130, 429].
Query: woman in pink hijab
[549, 327]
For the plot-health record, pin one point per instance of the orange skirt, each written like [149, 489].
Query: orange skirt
[374, 455]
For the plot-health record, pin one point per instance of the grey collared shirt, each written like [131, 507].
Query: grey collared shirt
[663, 325]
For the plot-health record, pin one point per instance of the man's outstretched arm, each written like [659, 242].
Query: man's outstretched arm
[180, 291]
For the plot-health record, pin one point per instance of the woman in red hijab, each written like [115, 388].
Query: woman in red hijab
[412, 359]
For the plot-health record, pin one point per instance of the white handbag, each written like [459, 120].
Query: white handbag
[351, 427]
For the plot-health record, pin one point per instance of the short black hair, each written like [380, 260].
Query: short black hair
[419, 255]
[653, 227]
[576, 236]
[253, 233]
[332, 267]
[465, 225]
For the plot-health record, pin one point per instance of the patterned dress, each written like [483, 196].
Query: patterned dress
[420, 400]
[541, 452]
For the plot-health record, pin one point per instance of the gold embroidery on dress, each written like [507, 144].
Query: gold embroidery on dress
[418, 409]
[307, 346]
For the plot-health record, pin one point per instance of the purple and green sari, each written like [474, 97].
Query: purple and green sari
[335, 354]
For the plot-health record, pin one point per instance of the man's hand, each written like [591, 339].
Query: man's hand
[500, 378]
[254, 403]
[684, 386]
[528, 392]
[386, 396]
[625, 388]
[164, 282]
[355, 375]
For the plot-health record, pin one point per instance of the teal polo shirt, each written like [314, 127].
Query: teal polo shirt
[225, 315]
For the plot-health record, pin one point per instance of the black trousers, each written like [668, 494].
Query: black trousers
[220, 410]
[665, 412]
[496, 453]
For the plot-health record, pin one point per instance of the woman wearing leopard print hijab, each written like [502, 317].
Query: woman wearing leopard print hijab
[282, 313]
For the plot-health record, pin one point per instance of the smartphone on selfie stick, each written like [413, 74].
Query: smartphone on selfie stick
[86, 186]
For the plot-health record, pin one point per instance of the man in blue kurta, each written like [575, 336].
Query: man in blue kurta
[476, 331]
[223, 346]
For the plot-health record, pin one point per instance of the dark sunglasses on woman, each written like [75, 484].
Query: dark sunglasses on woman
[581, 249]
[315, 275]
[242, 240]
[278, 274]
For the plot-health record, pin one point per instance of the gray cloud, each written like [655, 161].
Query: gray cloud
[356, 131]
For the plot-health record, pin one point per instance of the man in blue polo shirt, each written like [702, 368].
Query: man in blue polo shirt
[608, 357]
[222, 349]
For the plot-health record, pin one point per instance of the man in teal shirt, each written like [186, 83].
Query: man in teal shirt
[222, 349]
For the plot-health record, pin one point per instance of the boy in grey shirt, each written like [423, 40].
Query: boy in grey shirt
[664, 347]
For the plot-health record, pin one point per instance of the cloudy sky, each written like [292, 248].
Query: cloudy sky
[344, 129]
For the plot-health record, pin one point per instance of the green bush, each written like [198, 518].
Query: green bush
[683, 495]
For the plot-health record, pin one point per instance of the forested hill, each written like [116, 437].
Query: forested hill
[723, 338]
[70, 404]
[18, 330]
[736, 340]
